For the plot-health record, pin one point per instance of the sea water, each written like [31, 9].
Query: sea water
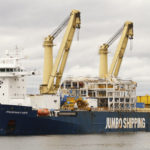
[109, 141]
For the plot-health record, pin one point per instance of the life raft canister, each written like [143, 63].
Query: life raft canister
[43, 112]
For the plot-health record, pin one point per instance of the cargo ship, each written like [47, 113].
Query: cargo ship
[80, 105]
[98, 106]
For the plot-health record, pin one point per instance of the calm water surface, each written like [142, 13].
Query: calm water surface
[127, 141]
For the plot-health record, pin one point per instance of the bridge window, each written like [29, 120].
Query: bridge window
[2, 69]
[9, 70]
[6, 69]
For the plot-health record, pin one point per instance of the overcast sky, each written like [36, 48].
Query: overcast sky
[25, 23]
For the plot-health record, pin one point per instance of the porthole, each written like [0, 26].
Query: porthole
[55, 101]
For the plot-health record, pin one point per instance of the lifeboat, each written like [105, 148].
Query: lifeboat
[43, 112]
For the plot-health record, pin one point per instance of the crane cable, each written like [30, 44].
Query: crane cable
[115, 36]
[56, 32]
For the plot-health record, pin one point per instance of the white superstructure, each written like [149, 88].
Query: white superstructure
[12, 80]
[13, 86]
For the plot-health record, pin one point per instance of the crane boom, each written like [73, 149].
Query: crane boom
[127, 33]
[61, 58]
[48, 52]
[103, 51]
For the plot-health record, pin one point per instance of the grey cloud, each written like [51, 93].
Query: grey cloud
[26, 23]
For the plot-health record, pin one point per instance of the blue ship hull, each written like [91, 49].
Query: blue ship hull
[21, 120]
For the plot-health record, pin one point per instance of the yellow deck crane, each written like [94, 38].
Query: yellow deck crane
[53, 72]
[127, 33]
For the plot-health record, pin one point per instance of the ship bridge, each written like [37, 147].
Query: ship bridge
[10, 66]
[12, 80]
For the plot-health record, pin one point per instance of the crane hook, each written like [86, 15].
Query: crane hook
[131, 44]
[78, 34]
